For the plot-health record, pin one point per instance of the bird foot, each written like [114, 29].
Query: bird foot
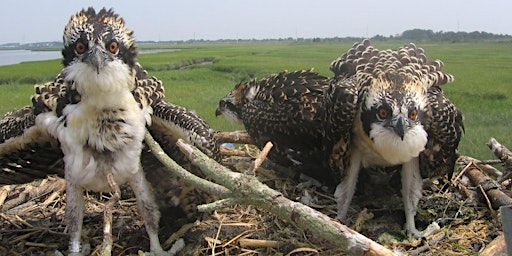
[175, 248]
[85, 250]
[430, 230]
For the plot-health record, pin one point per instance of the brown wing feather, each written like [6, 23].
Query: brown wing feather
[25, 152]
[444, 130]
[171, 122]
[285, 109]
[341, 108]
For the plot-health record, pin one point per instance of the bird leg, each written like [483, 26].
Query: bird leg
[148, 209]
[106, 247]
[411, 194]
[75, 207]
[346, 189]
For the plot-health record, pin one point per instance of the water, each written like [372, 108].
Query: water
[9, 57]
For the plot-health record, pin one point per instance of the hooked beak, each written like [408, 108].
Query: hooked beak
[399, 126]
[97, 58]
[218, 112]
[222, 105]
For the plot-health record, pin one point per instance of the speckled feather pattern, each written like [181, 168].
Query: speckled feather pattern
[364, 71]
[286, 109]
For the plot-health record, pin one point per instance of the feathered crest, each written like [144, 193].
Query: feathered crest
[93, 24]
[409, 61]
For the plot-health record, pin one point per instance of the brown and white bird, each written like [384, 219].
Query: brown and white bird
[386, 108]
[94, 116]
[381, 109]
[286, 109]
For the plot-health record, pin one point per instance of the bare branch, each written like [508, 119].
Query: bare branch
[233, 137]
[256, 193]
[188, 177]
[489, 186]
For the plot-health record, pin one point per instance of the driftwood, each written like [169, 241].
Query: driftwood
[247, 189]
[489, 186]
[496, 248]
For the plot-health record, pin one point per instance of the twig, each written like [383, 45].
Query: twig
[484, 165]
[495, 247]
[489, 187]
[232, 152]
[106, 248]
[219, 204]
[258, 243]
[431, 242]
[261, 157]
[256, 193]
[31, 193]
[233, 137]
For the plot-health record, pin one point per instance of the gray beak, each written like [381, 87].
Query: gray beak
[218, 112]
[399, 126]
[97, 58]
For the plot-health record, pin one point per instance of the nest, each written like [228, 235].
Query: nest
[33, 219]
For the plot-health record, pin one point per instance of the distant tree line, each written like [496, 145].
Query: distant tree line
[416, 35]
[450, 36]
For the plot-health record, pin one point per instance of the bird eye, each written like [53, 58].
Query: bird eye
[222, 103]
[113, 47]
[80, 47]
[413, 114]
[383, 113]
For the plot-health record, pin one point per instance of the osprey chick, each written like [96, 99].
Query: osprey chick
[386, 108]
[380, 109]
[100, 126]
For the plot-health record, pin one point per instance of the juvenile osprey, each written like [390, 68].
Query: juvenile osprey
[94, 116]
[381, 108]
[284, 108]
[386, 108]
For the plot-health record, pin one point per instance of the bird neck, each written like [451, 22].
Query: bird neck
[112, 79]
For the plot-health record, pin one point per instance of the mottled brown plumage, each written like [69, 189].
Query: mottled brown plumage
[382, 108]
[285, 109]
[386, 108]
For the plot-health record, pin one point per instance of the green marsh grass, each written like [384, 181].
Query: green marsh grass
[482, 87]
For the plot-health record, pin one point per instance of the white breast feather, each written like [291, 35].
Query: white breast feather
[393, 149]
[87, 143]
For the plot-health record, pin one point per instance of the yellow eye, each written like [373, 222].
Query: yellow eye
[80, 48]
[413, 114]
[113, 47]
[383, 113]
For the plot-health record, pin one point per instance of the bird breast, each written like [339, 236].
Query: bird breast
[97, 140]
[383, 147]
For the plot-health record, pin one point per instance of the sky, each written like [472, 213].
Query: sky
[25, 21]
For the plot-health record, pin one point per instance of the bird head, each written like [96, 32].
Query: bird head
[97, 44]
[395, 104]
[393, 115]
[231, 105]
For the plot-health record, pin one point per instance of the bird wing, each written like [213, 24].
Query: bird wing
[286, 111]
[342, 104]
[341, 109]
[444, 130]
[171, 122]
[26, 152]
